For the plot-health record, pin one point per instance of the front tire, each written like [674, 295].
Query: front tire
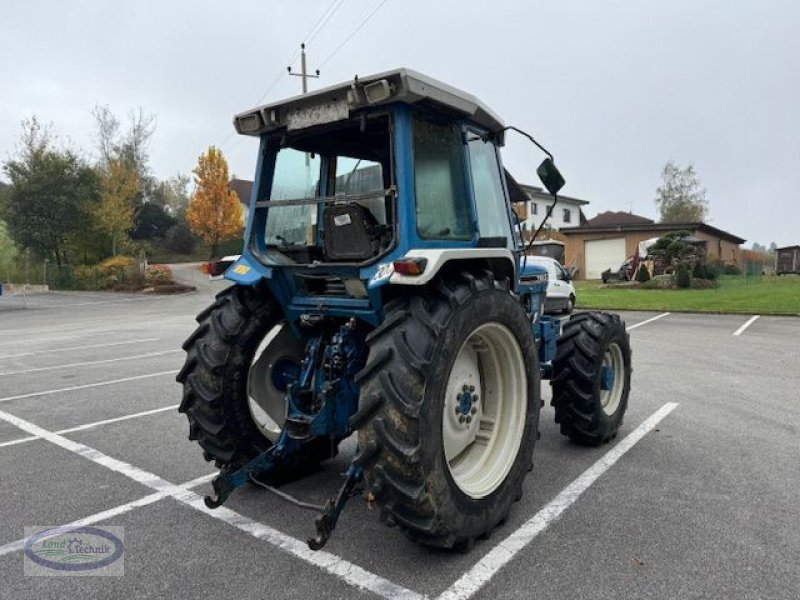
[592, 377]
[449, 410]
[570, 305]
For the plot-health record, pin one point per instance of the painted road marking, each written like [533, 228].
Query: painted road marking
[94, 424]
[750, 321]
[69, 348]
[92, 362]
[650, 320]
[113, 512]
[94, 302]
[86, 386]
[335, 565]
[485, 569]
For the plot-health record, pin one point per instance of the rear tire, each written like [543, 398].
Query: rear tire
[430, 471]
[219, 355]
[590, 344]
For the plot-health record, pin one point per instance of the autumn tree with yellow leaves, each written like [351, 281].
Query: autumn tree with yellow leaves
[114, 215]
[214, 212]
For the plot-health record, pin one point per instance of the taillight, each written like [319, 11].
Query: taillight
[410, 266]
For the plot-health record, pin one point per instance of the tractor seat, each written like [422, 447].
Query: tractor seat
[351, 233]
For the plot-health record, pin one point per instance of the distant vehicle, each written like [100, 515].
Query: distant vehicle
[623, 273]
[216, 268]
[560, 291]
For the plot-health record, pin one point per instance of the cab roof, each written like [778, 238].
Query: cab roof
[336, 103]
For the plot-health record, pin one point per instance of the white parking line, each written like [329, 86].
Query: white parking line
[480, 574]
[91, 362]
[112, 512]
[335, 565]
[94, 424]
[750, 321]
[86, 386]
[69, 348]
[71, 304]
[650, 320]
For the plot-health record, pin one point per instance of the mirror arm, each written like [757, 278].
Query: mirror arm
[530, 137]
[546, 218]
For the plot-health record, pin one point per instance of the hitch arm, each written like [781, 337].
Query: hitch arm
[229, 480]
[326, 522]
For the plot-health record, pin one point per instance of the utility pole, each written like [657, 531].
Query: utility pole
[304, 74]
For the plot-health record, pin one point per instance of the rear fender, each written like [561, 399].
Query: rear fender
[500, 260]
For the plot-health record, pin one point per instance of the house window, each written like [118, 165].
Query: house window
[567, 216]
[534, 208]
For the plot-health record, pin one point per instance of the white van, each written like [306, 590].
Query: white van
[560, 291]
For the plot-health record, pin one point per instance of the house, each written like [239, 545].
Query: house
[243, 189]
[567, 212]
[608, 239]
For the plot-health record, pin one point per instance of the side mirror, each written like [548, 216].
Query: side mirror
[550, 176]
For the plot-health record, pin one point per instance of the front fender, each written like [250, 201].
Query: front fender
[247, 272]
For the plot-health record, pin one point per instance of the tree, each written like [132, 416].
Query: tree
[128, 147]
[115, 213]
[672, 250]
[172, 195]
[151, 221]
[5, 192]
[50, 190]
[680, 199]
[214, 212]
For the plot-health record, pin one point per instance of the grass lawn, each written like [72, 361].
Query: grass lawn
[735, 294]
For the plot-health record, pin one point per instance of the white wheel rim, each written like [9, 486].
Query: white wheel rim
[481, 443]
[612, 359]
[264, 400]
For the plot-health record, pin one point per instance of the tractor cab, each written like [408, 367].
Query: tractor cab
[380, 181]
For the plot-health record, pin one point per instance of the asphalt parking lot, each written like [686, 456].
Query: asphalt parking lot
[697, 497]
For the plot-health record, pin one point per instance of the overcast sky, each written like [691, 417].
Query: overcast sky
[613, 89]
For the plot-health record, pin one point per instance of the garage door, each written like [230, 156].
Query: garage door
[603, 254]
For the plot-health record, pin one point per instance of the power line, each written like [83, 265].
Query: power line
[357, 29]
[323, 20]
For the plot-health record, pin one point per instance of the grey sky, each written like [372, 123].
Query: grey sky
[614, 89]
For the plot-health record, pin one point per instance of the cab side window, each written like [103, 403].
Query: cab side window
[487, 187]
[439, 182]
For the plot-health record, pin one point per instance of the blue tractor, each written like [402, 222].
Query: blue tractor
[383, 291]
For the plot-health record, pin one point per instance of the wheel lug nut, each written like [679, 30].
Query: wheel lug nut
[458, 409]
[474, 410]
[461, 419]
[475, 398]
[472, 388]
[469, 418]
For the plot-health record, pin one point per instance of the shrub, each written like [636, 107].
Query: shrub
[713, 269]
[660, 282]
[119, 271]
[86, 277]
[158, 275]
[683, 278]
[643, 274]
[699, 270]
[732, 270]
